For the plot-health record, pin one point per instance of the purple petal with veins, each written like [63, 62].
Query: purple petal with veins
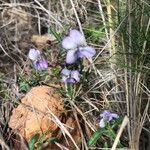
[107, 117]
[41, 65]
[86, 52]
[71, 56]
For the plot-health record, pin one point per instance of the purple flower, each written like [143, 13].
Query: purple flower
[41, 64]
[107, 117]
[38, 62]
[74, 40]
[70, 76]
[80, 52]
[34, 54]
[76, 45]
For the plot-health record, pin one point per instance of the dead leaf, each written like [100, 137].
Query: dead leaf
[42, 40]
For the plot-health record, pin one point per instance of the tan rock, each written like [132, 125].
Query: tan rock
[33, 115]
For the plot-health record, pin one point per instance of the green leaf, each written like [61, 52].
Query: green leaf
[106, 146]
[46, 143]
[95, 137]
[33, 140]
[55, 71]
[24, 87]
[52, 140]
[70, 90]
[116, 123]
[54, 32]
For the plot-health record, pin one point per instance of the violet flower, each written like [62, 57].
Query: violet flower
[34, 54]
[76, 45]
[41, 64]
[70, 76]
[107, 117]
[38, 62]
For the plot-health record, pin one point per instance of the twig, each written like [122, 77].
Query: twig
[75, 12]
[123, 125]
[44, 9]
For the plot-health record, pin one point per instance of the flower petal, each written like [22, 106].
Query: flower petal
[70, 80]
[71, 56]
[102, 123]
[110, 118]
[34, 54]
[75, 75]
[44, 64]
[68, 43]
[37, 65]
[105, 113]
[114, 115]
[86, 52]
[41, 65]
[64, 79]
[77, 37]
[66, 72]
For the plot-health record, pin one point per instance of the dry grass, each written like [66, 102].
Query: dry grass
[116, 81]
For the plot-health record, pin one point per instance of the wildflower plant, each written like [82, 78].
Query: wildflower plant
[70, 76]
[27, 81]
[107, 124]
[39, 63]
[77, 48]
[107, 117]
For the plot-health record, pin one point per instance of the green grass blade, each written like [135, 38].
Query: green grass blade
[33, 141]
[95, 137]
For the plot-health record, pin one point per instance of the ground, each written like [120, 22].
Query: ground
[115, 79]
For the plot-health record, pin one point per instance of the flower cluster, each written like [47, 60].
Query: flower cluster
[107, 117]
[76, 47]
[70, 76]
[39, 63]
[75, 43]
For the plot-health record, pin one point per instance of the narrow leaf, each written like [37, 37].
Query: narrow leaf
[33, 141]
[95, 137]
